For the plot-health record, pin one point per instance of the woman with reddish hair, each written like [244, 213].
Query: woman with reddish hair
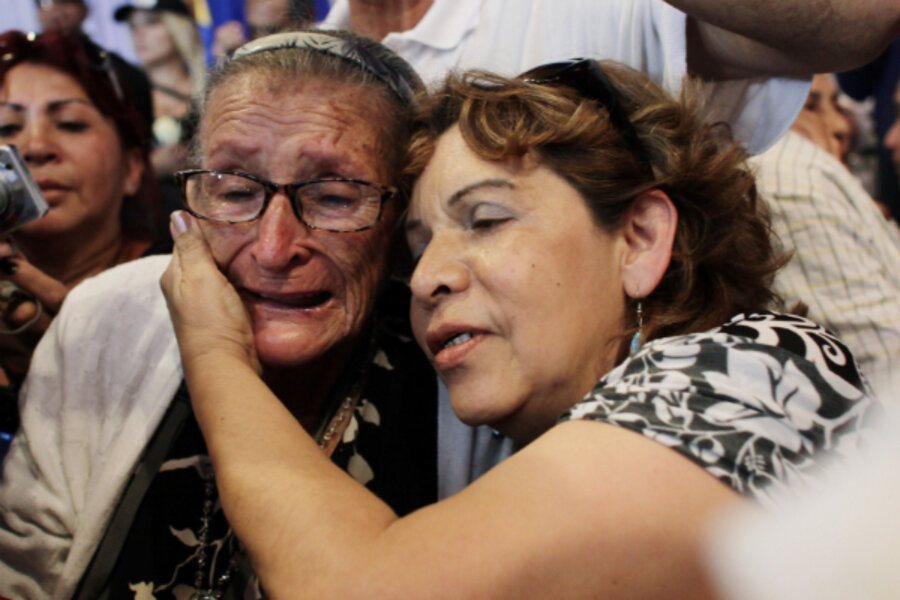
[72, 113]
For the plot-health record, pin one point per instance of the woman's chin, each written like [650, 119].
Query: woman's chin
[283, 346]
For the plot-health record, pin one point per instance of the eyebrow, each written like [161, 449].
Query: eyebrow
[462, 193]
[52, 107]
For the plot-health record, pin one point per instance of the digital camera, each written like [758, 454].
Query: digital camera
[21, 200]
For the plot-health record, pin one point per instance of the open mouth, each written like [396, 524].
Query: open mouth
[457, 339]
[311, 300]
[437, 345]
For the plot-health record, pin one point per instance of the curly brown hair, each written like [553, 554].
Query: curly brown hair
[724, 255]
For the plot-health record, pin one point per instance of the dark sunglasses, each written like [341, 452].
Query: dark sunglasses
[587, 78]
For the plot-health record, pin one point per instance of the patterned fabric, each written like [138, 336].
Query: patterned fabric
[389, 445]
[846, 261]
[752, 401]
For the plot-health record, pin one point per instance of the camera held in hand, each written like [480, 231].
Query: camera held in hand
[21, 200]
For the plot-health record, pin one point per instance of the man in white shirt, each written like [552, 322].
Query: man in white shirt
[756, 59]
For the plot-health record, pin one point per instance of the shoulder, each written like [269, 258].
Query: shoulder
[796, 168]
[772, 386]
[133, 278]
[763, 339]
[113, 323]
[117, 296]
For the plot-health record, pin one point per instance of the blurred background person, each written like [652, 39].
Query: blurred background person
[73, 118]
[96, 22]
[62, 16]
[846, 254]
[262, 17]
[823, 120]
[171, 54]
[875, 83]
[892, 137]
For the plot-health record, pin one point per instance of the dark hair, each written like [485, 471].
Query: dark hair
[302, 12]
[112, 89]
[723, 258]
[283, 65]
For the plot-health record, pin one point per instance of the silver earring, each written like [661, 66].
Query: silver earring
[636, 338]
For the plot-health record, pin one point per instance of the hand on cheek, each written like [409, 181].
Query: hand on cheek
[209, 318]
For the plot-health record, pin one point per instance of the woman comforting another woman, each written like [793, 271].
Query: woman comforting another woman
[592, 280]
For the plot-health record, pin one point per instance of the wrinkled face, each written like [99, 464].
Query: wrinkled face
[308, 292]
[71, 149]
[152, 42]
[892, 137]
[517, 294]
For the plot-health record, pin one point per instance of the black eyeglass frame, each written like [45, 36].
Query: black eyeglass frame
[386, 192]
[586, 77]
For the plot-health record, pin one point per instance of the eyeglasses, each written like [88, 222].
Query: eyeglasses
[336, 204]
[326, 43]
[587, 78]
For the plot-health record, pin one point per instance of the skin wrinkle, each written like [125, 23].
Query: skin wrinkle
[314, 129]
[487, 279]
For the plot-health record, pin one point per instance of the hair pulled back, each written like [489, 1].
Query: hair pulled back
[284, 67]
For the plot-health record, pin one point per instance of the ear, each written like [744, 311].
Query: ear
[134, 169]
[649, 232]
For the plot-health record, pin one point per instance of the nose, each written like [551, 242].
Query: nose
[442, 270]
[282, 240]
[36, 143]
[892, 137]
[840, 127]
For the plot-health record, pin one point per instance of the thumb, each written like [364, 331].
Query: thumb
[190, 245]
[188, 238]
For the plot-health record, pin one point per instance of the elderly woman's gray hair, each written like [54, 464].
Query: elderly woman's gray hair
[337, 56]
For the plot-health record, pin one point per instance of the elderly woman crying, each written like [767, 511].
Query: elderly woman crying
[301, 140]
[592, 280]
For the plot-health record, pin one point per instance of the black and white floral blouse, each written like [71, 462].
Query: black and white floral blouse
[753, 402]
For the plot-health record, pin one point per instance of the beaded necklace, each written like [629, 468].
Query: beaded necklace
[327, 438]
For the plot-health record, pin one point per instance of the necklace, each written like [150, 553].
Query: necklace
[327, 438]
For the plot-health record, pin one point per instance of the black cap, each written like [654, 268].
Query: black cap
[174, 6]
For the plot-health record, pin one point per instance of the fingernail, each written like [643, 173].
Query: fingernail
[180, 222]
[8, 266]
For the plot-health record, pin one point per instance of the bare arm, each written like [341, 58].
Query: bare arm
[786, 37]
[586, 511]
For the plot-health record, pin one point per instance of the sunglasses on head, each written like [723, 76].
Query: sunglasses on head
[587, 78]
[17, 47]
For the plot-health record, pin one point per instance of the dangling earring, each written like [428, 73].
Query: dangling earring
[636, 339]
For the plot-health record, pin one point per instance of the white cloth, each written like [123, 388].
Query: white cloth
[511, 36]
[835, 542]
[100, 381]
[846, 262]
